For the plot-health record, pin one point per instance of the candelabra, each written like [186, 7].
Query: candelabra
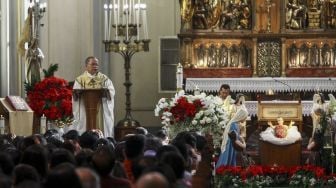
[34, 55]
[122, 35]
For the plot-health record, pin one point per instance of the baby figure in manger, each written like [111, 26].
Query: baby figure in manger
[281, 134]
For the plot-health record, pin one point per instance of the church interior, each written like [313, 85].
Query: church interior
[233, 89]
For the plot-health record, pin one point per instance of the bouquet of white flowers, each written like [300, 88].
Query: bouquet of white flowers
[202, 113]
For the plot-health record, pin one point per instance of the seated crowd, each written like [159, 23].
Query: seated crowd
[140, 160]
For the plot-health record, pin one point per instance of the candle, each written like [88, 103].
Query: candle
[144, 20]
[33, 21]
[105, 21]
[43, 124]
[2, 125]
[123, 9]
[127, 19]
[110, 22]
[138, 19]
[129, 12]
[133, 6]
[179, 76]
[117, 16]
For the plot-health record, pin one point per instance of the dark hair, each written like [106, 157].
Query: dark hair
[88, 139]
[102, 142]
[134, 146]
[164, 149]
[162, 134]
[23, 172]
[224, 86]
[6, 164]
[63, 175]
[103, 160]
[87, 60]
[36, 156]
[185, 137]
[152, 143]
[176, 162]
[60, 156]
[141, 130]
[71, 135]
[84, 157]
[237, 97]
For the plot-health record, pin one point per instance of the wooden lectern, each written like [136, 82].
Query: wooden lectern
[92, 101]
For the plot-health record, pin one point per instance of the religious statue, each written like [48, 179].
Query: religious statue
[206, 14]
[187, 12]
[292, 56]
[281, 134]
[235, 15]
[332, 105]
[296, 14]
[223, 56]
[319, 108]
[331, 14]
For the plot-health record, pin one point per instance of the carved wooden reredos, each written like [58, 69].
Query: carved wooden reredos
[244, 38]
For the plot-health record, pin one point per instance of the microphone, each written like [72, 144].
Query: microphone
[283, 83]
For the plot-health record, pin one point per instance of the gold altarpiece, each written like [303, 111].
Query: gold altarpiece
[258, 38]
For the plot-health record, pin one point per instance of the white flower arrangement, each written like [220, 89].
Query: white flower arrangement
[202, 113]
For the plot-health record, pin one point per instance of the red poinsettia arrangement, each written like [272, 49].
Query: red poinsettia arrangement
[184, 109]
[269, 176]
[52, 97]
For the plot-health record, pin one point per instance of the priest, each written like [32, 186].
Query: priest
[93, 79]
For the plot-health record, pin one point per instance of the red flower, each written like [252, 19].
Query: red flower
[51, 97]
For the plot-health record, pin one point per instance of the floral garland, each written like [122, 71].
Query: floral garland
[203, 113]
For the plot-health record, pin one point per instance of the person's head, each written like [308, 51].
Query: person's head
[60, 156]
[6, 164]
[175, 161]
[88, 178]
[103, 160]
[280, 121]
[151, 180]
[141, 130]
[134, 146]
[240, 98]
[23, 172]
[63, 175]
[36, 156]
[92, 65]
[163, 136]
[224, 91]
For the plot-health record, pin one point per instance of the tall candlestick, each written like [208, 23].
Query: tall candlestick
[105, 21]
[2, 124]
[110, 22]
